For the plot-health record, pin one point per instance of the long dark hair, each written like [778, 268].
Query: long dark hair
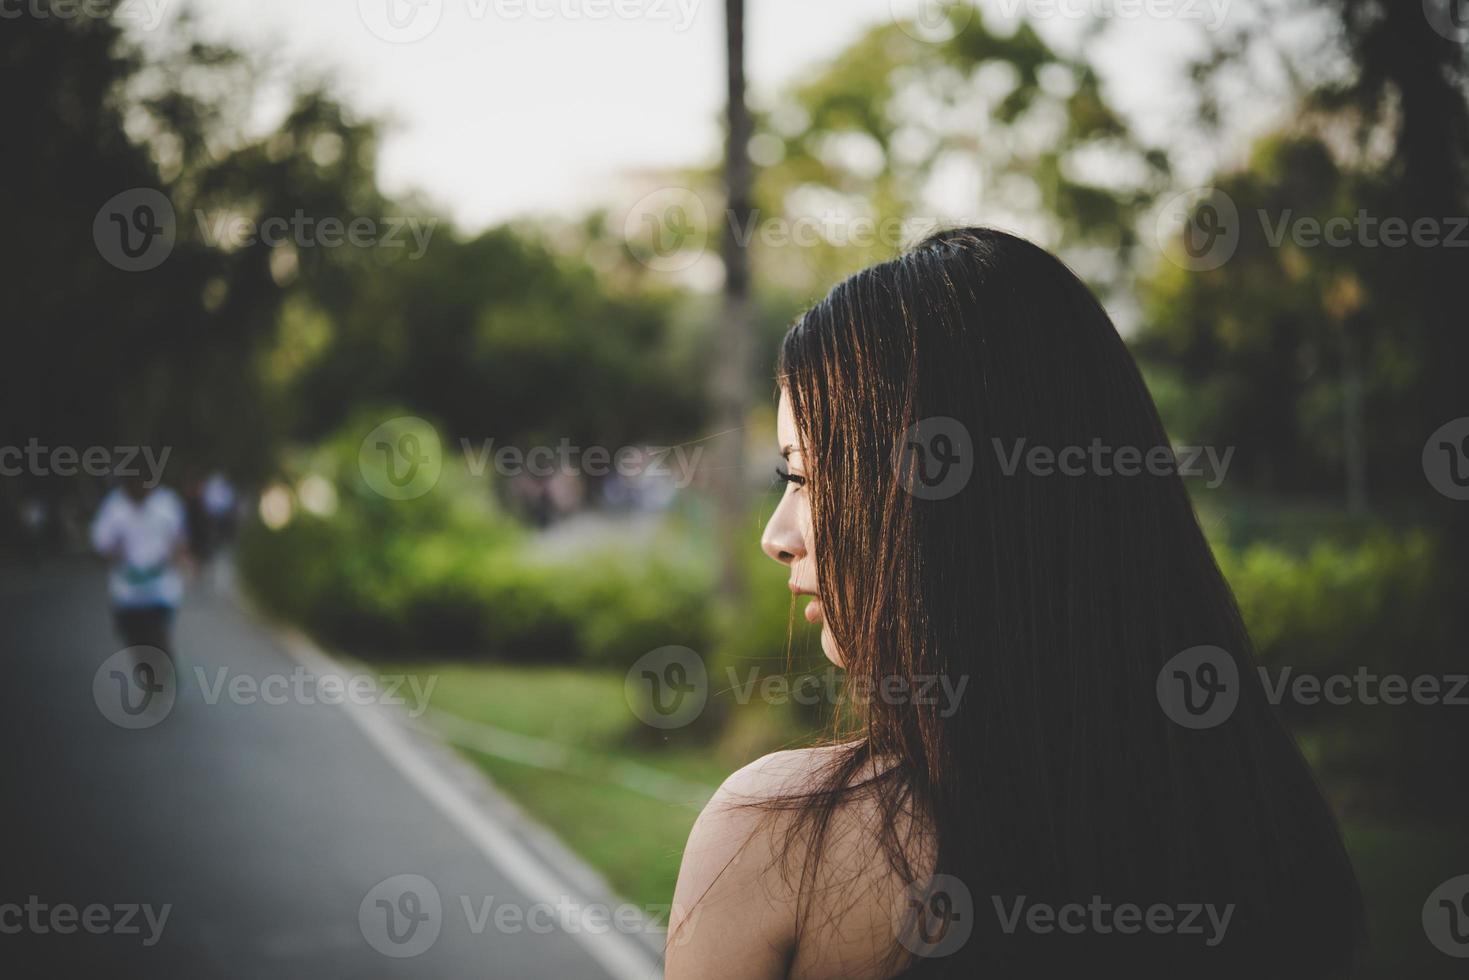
[1060, 597]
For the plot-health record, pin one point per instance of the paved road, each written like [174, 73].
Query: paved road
[262, 827]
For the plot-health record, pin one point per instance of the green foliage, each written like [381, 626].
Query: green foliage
[874, 128]
[1351, 611]
[449, 574]
[1338, 606]
[502, 337]
[1283, 334]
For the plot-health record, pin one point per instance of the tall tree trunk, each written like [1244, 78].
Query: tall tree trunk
[732, 374]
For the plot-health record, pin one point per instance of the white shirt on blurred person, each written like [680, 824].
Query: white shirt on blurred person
[142, 537]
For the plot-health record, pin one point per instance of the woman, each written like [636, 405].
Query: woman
[979, 500]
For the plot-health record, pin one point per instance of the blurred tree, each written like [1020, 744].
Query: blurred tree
[170, 355]
[1330, 366]
[239, 341]
[1382, 130]
[1262, 342]
[499, 337]
[907, 128]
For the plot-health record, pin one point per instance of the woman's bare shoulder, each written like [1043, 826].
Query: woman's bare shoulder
[746, 819]
[733, 912]
[779, 775]
[742, 871]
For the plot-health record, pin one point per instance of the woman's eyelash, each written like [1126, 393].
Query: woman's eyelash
[786, 476]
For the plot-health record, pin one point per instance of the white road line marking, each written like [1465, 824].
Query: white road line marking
[621, 956]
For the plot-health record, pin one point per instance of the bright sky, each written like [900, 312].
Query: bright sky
[509, 107]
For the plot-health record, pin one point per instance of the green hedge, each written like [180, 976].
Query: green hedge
[409, 593]
[449, 574]
[1338, 606]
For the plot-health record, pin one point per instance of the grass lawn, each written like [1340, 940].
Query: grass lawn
[635, 840]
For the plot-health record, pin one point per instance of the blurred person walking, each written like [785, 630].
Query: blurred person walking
[142, 533]
[219, 498]
[35, 521]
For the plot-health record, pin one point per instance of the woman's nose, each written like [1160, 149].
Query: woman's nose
[782, 537]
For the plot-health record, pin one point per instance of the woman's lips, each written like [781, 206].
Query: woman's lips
[814, 611]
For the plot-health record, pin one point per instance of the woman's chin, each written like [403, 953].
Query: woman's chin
[829, 647]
